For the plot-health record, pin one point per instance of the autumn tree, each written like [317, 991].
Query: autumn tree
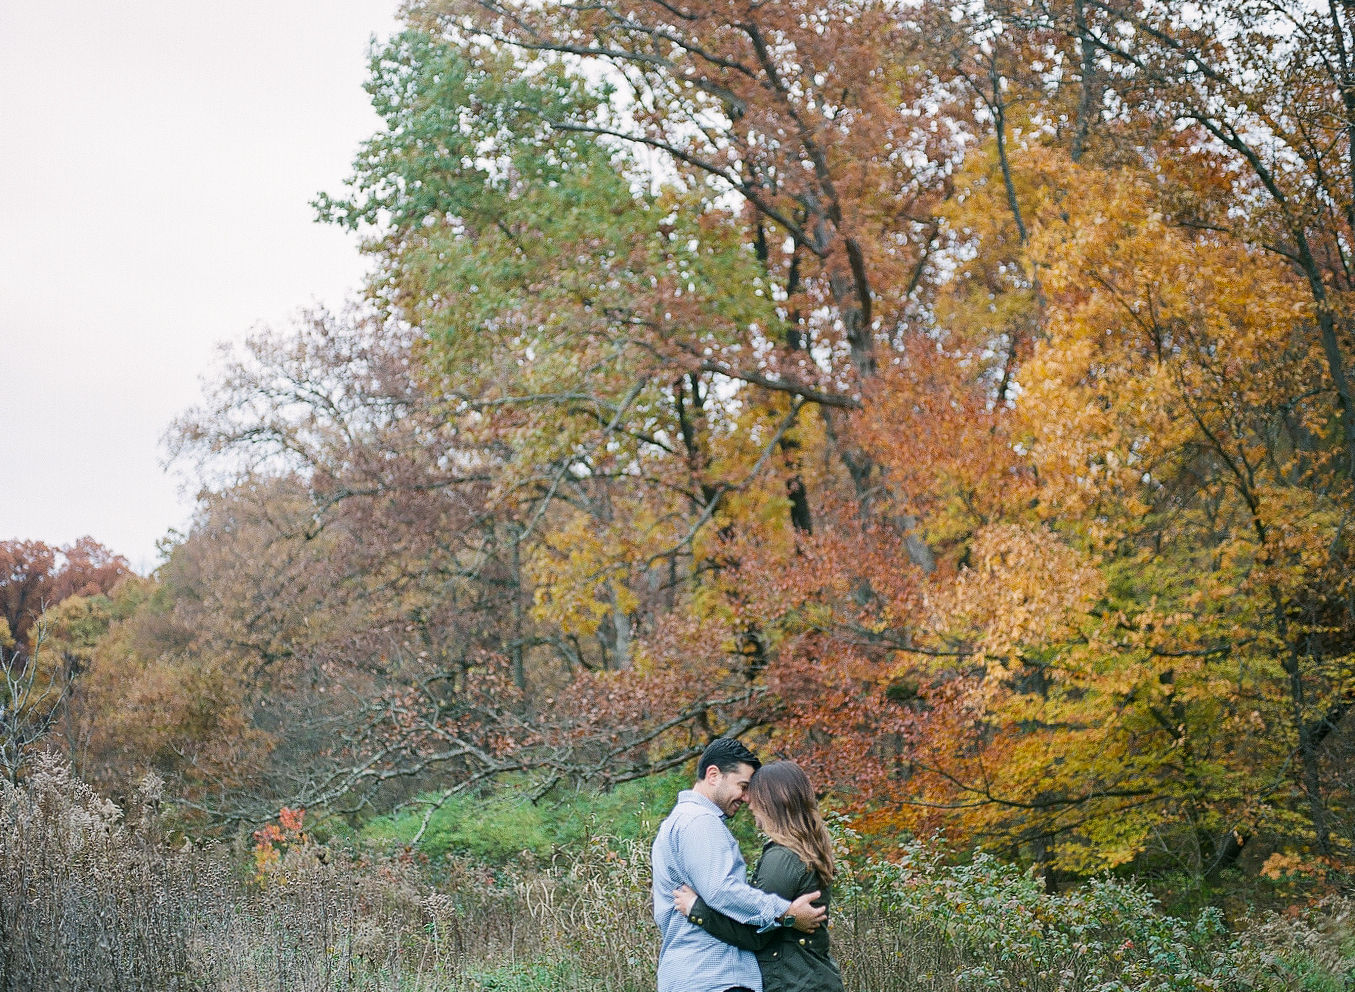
[34, 576]
[676, 316]
[1237, 113]
[28, 569]
[1148, 457]
[39, 677]
[1235, 416]
[950, 397]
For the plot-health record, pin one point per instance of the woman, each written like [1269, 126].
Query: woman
[797, 858]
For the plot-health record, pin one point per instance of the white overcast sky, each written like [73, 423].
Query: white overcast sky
[157, 160]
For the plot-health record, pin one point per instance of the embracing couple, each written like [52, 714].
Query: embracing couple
[720, 933]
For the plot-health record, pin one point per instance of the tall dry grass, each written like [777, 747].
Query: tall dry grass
[91, 898]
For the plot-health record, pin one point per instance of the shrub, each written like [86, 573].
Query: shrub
[498, 824]
[920, 924]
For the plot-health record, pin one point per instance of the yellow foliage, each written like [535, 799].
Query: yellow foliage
[1153, 338]
[578, 573]
[1022, 587]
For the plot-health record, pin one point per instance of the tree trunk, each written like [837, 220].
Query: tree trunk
[1089, 102]
[519, 664]
[1307, 747]
[1044, 857]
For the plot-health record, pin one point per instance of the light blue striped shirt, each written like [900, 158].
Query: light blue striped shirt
[694, 847]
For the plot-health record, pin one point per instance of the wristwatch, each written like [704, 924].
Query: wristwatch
[788, 920]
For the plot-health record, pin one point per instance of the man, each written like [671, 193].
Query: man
[694, 847]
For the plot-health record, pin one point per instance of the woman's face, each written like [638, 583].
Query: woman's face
[758, 815]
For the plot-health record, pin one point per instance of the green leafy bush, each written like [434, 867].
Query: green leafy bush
[989, 925]
[501, 823]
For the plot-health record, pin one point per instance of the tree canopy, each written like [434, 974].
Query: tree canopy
[951, 396]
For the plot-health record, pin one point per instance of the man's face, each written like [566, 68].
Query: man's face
[730, 790]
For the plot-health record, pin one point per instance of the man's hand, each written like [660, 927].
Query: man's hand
[807, 917]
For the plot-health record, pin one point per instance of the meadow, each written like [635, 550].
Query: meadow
[93, 895]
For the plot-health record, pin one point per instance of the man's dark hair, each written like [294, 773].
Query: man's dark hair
[726, 754]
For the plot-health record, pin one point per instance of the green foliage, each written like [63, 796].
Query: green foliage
[536, 976]
[989, 925]
[501, 823]
[1004, 932]
[447, 111]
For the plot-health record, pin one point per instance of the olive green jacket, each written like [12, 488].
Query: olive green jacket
[791, 961]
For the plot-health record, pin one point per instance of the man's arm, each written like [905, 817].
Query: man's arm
[781, 872]
[744, 936]
[706, 855]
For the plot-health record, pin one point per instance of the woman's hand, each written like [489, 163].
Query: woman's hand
[684, 899]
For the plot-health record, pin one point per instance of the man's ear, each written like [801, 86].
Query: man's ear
[712, 775]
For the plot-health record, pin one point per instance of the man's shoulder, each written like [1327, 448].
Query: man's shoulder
[689, 806]
[693, 817]
[684, 812]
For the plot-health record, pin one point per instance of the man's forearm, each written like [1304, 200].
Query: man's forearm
[744, 936]
[745, 903]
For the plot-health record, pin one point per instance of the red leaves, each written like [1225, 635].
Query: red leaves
[31, 580]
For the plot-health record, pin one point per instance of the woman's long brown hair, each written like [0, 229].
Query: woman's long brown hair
[784, 797]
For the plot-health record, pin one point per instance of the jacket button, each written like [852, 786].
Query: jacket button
[802, 942]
